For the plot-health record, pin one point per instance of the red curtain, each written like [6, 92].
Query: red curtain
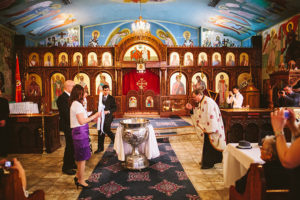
[150, 79]
[18, 82]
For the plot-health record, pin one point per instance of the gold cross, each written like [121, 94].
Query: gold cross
[141, 83]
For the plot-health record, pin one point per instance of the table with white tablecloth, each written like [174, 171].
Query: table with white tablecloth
[149, 147]
[236, 162]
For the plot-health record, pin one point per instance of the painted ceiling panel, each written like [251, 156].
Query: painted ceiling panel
[237, 18]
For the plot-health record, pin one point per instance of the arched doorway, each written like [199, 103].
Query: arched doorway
[140, 90]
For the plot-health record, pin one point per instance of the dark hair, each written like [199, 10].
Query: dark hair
[197, 92]
[235, 87]
[77, 94]
[105, 86]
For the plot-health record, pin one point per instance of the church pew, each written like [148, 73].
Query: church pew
[256, 187]
[11, 188]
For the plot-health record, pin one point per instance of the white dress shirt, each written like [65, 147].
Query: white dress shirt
[236, 99]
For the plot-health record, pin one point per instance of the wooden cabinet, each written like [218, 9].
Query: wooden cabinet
[26, 133]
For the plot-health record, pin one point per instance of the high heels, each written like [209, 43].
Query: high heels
[80, 185]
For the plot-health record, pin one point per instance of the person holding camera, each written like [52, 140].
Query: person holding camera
[288, 155]
[15, 164]
[287, 97]
[235, 98]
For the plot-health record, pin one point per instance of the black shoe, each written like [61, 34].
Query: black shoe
[206, 167]
[80, 185]
[69, 171]
[99, 150]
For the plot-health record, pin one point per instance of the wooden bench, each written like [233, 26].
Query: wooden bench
[256, 187]
[11, 188]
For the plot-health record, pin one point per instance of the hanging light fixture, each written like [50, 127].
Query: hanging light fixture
[140, 26]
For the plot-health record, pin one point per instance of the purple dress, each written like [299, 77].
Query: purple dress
[81, 142]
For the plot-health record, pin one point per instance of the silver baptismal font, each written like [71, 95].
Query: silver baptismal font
[135, 131]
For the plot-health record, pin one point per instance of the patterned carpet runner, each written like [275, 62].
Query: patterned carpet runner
[164, 179]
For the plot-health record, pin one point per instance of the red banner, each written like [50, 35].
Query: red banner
[147, 80]
[18, 82]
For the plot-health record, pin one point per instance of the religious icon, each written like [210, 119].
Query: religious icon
[48, 59]
[230, 59]
[116, 36]
[94, 40]
[140, 67]
[270, 49]
[187, 42]
[178, 84]
[57, 88]
[34, 85]
[33, 60]
[63, 59]
[140, 52]
[188, 59]
[83, 80]
[149, 102]
[199, 81]
[216, 59]
[202, 59]
[244, 60]
[101, 80]
[174, 59]
[222, 83]
[92, 59]
[106, 59]
[132, 102]
[77, 59]
[166, 37]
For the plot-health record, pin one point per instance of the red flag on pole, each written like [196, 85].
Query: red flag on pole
[18, 82]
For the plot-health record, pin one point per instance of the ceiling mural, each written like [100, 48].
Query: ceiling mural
[239, 19]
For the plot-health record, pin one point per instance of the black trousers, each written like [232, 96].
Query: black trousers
[210, 156]
[107, 131]
[69, 160]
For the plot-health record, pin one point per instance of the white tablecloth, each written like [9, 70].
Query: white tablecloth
[149, 147]
[236, 162]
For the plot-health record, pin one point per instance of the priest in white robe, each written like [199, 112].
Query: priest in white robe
[208, 120]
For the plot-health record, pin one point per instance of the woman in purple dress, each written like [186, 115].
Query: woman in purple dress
[80, 133]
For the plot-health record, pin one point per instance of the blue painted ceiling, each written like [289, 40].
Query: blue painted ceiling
[237, 18]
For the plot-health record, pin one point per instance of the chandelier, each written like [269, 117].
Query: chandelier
[140, 26]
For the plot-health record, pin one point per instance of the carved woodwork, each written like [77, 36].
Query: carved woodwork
[11, 188]
[256, 187]
[26, 133]
[161, 67]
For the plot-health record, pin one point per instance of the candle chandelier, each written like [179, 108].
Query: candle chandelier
[140, 26]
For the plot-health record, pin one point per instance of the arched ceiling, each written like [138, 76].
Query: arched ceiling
[237, 18]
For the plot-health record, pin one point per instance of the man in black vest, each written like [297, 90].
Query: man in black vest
[64, 117]
[110, 107]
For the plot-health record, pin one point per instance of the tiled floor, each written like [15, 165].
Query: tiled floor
[44, 171]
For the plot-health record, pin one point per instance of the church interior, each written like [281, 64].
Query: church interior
[155, 56]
